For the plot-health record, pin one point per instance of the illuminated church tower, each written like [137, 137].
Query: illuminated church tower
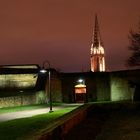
[97, 50]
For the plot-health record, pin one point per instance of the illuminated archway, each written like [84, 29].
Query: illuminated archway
[80, 92]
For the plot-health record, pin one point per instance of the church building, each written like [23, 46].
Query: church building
[97, 50]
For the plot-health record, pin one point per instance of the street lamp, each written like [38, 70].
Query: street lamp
[81, 81]
[43, 70]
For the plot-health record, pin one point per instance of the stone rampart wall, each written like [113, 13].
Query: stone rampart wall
[17, 100]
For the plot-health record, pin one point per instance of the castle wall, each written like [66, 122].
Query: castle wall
[28, 88]
[97, 86]
[56, 88]
[100, 86]
[103, 86]
[68, 83]
[17, 100]
[120, 89]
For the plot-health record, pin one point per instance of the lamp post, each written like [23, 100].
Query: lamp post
[43, 70]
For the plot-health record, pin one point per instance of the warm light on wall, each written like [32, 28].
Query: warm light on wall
[80, 90]
[18, 80]
[80, 86]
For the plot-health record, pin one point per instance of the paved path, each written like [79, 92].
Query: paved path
[30, 113]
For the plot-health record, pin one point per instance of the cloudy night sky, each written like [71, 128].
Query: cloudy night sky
[32, 31]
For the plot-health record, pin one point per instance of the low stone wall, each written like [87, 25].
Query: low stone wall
[29, 98]
[17, 100]
[61, 127]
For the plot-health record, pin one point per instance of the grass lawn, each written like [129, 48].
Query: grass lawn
[12, 130]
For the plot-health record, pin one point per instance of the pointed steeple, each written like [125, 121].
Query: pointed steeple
[96, 35]
[97, 50]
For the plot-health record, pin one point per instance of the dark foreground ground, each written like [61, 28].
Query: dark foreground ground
[120, 123]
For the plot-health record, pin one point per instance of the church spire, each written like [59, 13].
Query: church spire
[97, 50]
[96, 36]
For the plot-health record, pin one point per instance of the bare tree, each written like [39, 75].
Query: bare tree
[134, 47]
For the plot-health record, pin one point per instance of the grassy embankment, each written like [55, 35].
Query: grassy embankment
[12, 130]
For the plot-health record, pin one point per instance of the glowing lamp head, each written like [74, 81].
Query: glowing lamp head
[43, 71]
[80, 80]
